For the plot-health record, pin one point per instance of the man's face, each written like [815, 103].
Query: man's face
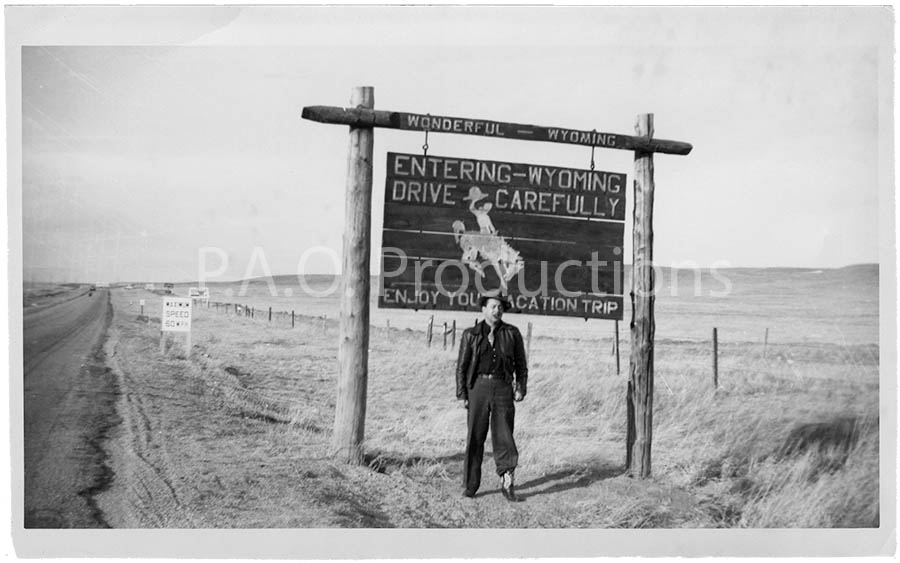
[492, 311]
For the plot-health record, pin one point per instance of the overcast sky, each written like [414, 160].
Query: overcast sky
[177, 134]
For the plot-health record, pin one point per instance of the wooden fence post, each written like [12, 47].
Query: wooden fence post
[444, 333]
[428, 331]
[715, 358]
[640, 385]
[528, 341]
[766, 343]
[453, 335]
[270, 314]
[618, 369]
[353, 338]
[388, 324]
[292, 318]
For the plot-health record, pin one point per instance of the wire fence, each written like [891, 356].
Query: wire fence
[717, 360]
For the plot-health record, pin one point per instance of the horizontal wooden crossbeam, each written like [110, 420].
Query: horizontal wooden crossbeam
[362, 117]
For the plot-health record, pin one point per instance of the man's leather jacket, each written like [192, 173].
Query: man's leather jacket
[510, 350]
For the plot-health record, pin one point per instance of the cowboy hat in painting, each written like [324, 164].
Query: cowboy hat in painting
[475, 194]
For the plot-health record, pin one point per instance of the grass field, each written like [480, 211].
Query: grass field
[237, 435]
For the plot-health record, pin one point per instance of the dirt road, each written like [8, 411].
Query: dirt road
[69, 406]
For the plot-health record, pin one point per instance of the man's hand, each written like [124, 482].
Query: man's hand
[519, 396]
[464, 403]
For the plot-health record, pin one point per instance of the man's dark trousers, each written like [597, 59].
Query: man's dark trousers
[490, 401]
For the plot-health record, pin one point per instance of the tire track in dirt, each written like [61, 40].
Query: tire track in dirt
[148, 492]
[203, 445]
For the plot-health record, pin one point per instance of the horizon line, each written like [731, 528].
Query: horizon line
[378, 274]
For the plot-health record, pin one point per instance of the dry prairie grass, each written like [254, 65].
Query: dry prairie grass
[789, 439]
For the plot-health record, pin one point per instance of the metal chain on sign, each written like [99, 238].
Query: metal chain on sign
[592, 149]
[425, 146]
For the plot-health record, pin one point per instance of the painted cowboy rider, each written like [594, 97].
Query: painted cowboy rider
[485, 225]
[491, 373]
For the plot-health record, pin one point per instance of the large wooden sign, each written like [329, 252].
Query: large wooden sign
[549, 237]
[500, 221]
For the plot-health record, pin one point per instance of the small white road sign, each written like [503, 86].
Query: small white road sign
[176, 315]
[199, 293]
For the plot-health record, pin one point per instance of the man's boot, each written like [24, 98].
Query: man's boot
[507, 486]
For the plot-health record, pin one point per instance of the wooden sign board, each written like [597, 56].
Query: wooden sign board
[176, 316]
[549, 237]
[367, 118]
[488, 128]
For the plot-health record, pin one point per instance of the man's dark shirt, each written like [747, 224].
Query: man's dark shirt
[488, 361]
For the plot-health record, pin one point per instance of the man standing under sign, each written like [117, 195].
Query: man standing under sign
[491, 373]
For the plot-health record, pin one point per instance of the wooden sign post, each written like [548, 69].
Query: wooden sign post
[408, 175]
[643, 326]
[353, 350]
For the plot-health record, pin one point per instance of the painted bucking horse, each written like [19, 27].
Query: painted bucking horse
[491, 248]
